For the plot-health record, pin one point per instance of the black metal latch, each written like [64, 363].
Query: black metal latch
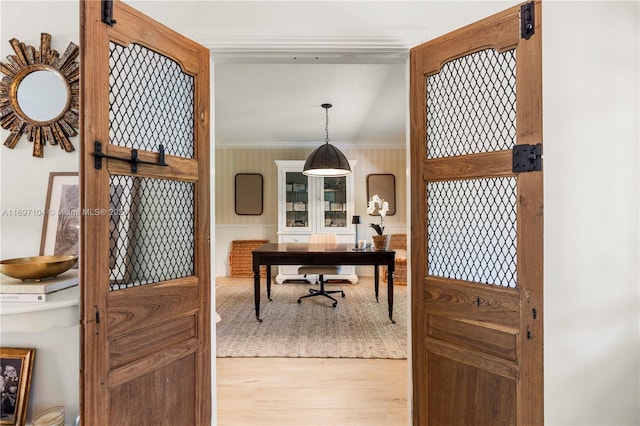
[134, 160]
[527, 158]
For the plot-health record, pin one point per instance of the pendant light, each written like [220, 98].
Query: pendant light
[326, 160]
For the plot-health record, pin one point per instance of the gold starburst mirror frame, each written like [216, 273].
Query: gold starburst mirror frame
[39, 95]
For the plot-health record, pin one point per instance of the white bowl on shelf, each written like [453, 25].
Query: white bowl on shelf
[53, 416]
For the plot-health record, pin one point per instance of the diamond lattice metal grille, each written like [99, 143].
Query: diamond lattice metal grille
[152, 230]
[150, 101]
[471, 105]
[472, 230]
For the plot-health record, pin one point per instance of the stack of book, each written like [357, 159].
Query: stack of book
[13, 290]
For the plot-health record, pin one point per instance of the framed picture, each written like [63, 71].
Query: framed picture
[16, 365]
[385, 186]
[248, 194]
[61, 225]
[121, 193]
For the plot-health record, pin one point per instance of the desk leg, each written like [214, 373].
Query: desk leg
[269, 282]
[256, 289]
[390, 270]
[376, 279]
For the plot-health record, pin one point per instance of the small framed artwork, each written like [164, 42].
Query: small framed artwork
[385, 186]
[121, 196]
[61, 225]
[248, 194]
[16, 365]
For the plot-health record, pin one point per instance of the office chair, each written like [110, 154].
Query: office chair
[321, 270]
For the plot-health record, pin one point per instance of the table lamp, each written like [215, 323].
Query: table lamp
[356, 221]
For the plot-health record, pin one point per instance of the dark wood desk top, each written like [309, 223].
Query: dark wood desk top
[319, 254]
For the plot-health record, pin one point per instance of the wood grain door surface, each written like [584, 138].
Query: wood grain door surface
[145, 294]
[477, 225]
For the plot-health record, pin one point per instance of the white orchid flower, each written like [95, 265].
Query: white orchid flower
[377, 203]
[384, 209]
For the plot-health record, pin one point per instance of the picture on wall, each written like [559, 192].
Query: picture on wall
[61, 225]
[248, 193]
[16, 365]
[384, 185]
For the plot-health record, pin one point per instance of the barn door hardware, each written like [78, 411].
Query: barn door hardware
[527, 21]
[527, 158]
[107, 12]
[134, 160]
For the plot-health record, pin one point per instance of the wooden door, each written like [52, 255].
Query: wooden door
[477, 224]
[146, 346]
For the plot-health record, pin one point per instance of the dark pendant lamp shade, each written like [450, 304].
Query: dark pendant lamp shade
[326, 160]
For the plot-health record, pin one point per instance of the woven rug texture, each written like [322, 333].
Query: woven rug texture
[357, 328]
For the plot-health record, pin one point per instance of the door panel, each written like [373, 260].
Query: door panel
[145, 241]
[477, 225]
[496, 399]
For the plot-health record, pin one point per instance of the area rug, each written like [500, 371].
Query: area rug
[358, 327]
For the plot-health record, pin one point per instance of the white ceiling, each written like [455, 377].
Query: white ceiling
[276, 62]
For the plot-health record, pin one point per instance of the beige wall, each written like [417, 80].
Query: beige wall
[229, 161]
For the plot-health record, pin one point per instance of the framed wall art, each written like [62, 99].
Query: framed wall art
[248, 194]
[16, 365]
[385, 186]
[61, 225]
[121, 228]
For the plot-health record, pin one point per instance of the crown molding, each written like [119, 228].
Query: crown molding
[305, 49]
[308, 145]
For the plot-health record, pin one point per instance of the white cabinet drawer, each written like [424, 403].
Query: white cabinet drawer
[294, 238]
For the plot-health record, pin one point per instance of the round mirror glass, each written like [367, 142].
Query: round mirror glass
[42, 95]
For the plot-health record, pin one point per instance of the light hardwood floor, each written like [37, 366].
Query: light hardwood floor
[310, 391]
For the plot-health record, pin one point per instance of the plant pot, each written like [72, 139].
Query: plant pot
[381, 242]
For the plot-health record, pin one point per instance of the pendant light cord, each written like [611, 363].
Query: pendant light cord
[326, 126]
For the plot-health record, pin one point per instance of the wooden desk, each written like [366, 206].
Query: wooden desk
[320, 254]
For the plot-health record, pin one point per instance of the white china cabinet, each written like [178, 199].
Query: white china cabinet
[313, 205]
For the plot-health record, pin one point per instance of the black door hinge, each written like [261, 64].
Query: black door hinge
[527, 158]
[527, 20]
[107, 12]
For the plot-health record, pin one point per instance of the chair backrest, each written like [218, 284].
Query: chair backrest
[323, 239]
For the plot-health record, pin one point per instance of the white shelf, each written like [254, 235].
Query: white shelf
[60, 310]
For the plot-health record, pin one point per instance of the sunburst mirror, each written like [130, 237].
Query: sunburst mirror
[39, 95]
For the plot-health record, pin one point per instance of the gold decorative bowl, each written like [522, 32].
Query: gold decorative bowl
[36, 267]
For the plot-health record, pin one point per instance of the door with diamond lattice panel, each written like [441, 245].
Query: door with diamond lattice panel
[146, 346]
[476, 247]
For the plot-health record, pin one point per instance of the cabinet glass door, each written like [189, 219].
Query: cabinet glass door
[296, 200]
[335, 203]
